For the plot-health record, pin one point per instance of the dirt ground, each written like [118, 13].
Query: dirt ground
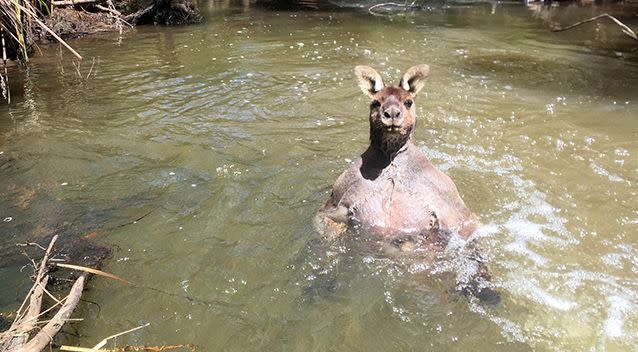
[71, 23]
[84, 19]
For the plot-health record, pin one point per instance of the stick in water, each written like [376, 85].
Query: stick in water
[623, 27]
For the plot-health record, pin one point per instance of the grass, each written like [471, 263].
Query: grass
[18, 18]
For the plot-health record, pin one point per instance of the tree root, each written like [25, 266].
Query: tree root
[134, 18]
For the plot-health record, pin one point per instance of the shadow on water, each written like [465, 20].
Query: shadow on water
[34, 213]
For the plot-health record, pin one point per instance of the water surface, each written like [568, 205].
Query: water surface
[225, 138]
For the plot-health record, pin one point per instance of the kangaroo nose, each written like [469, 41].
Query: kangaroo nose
[392, 113]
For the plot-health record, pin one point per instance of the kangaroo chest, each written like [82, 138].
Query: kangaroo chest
[394, 205]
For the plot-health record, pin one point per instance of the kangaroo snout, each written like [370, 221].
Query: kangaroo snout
[392, 113]
[392, 116]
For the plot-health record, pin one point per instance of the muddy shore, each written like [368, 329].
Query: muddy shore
[51, 21]
[71, 21]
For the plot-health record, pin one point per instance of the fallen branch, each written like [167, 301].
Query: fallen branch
[16, 338]
[71, 2]
[45, 335]
[623, 27]
[35, 305]
[390, 4]
[20, 328]
[24, 322]
[45, 259]
[30, 315]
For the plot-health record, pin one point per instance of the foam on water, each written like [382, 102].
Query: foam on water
[527, 288]
[618, 309]
[522, 242]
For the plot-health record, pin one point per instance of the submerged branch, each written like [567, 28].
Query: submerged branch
[27, 314]
[372, 8]
[45, 336]
[130, 348]
[623, 27]
[17, 337]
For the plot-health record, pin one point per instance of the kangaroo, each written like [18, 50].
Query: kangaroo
[393, 192]
[392, 196]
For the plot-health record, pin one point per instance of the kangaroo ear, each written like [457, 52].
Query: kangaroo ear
[369, 80]
[414, 78]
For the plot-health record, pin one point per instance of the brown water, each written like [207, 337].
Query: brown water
[231, 133]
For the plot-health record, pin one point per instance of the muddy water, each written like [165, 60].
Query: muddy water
[223, 139]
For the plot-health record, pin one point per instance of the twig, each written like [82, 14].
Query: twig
[46, 28]
[623, 27]
[35, 305]
[109, 9]
[43, 288]
[79, 349]
[71, 2]
[389, 4]
[61, 61]
[91, 69]
[55, 305]
[77, 68]
[30, 244]
[116, 13]
[103, 342]
[138, 218]
[43, 263]
[93, 271]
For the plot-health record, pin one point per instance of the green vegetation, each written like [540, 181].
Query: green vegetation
[19, 18]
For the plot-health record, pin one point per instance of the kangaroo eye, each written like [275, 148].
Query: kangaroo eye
[375, 104]
[408, 103]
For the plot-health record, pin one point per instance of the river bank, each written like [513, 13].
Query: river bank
[27, 23]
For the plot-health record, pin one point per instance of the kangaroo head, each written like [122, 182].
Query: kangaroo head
[392, 110]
